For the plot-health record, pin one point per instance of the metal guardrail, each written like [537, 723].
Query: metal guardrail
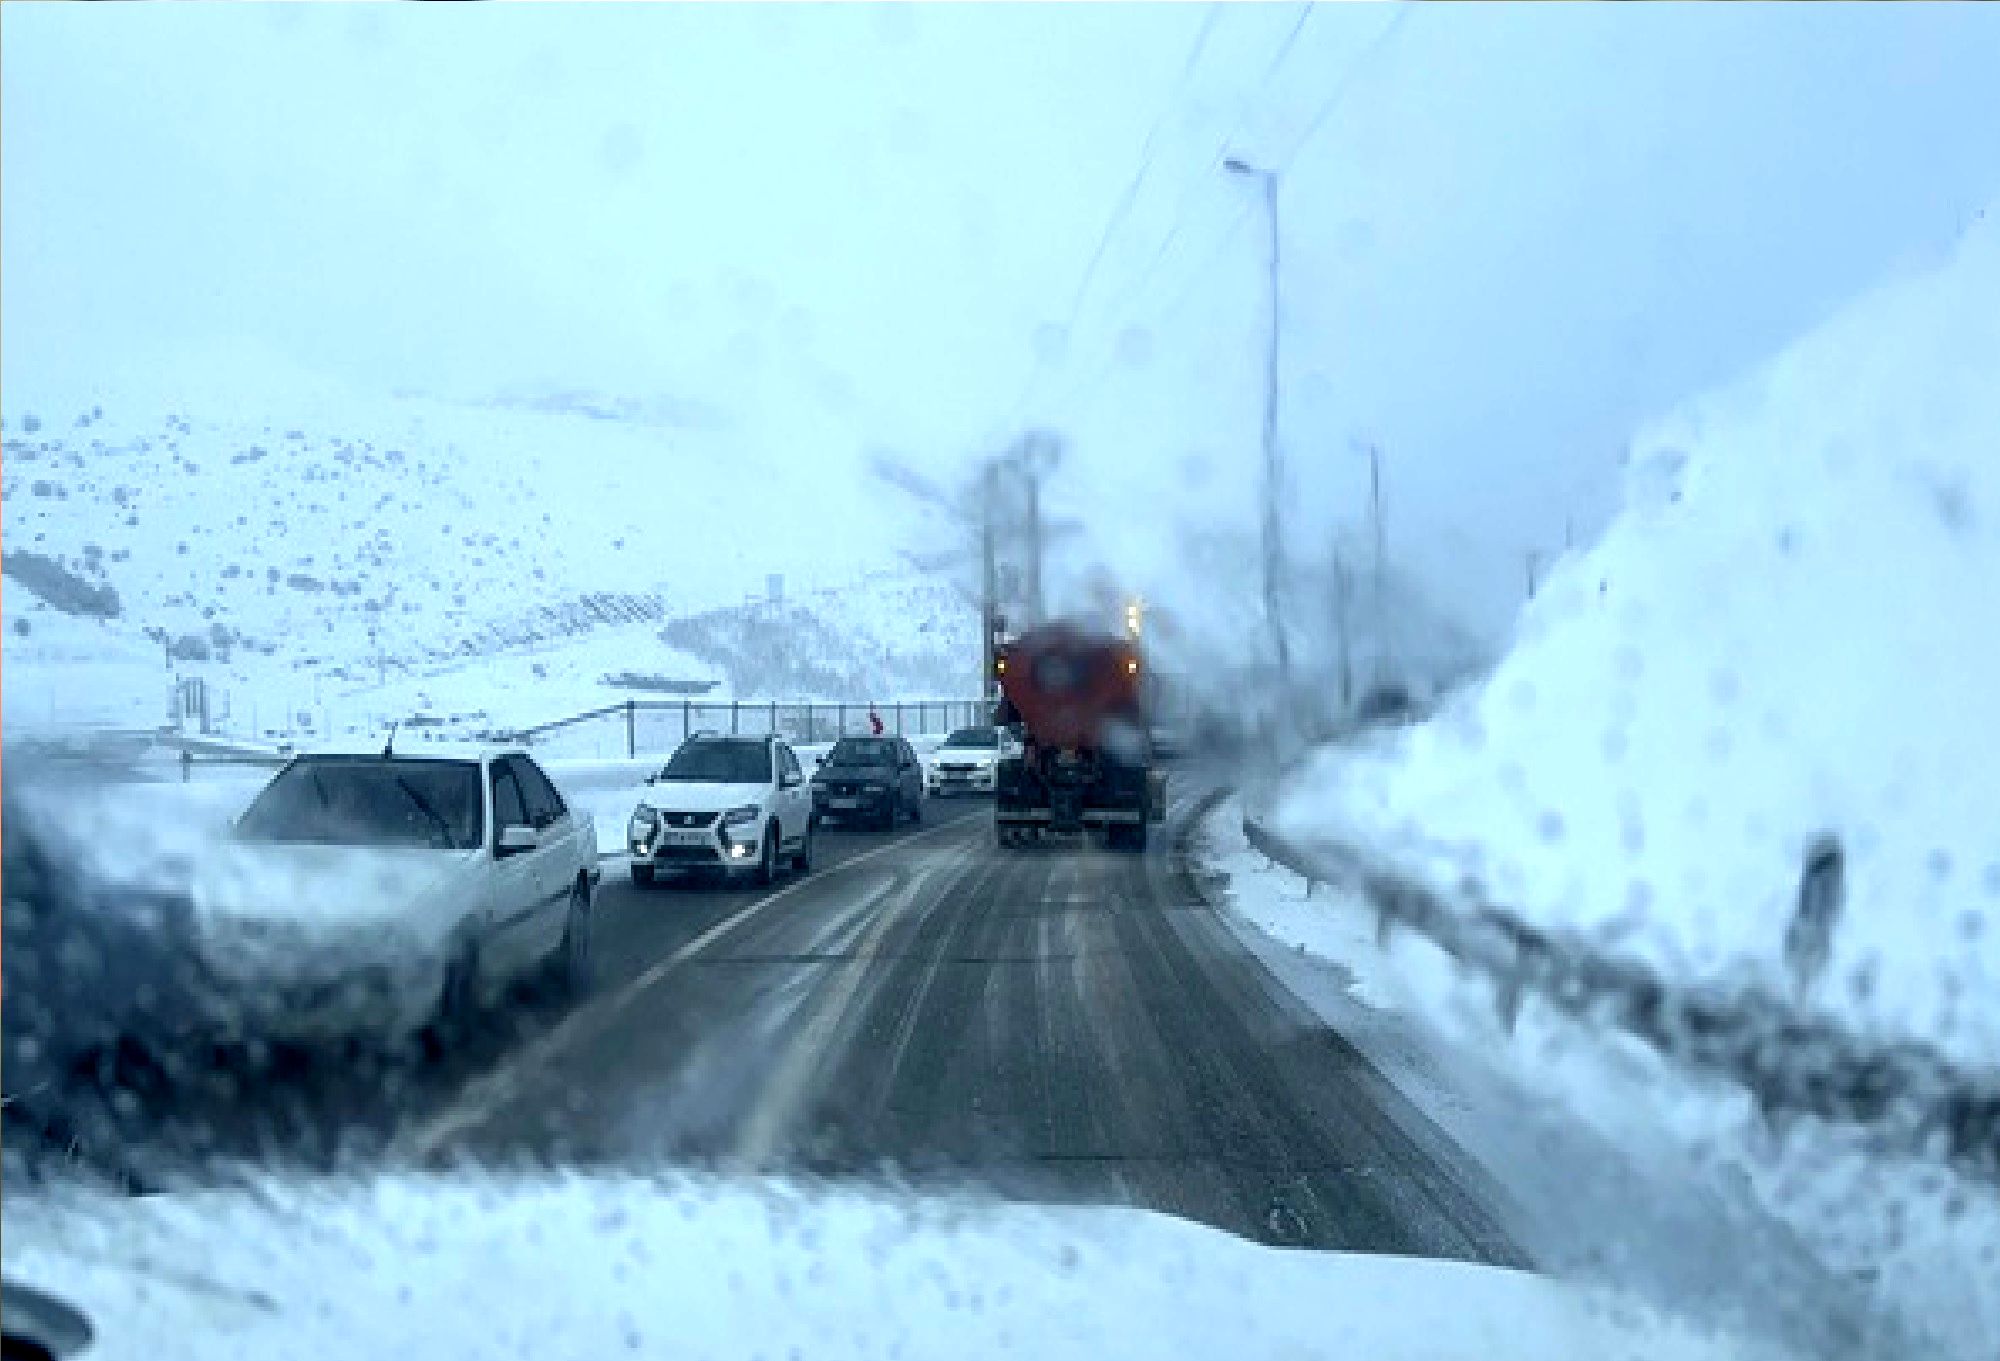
[1789, 1060]
[633, 727]
[659, 725]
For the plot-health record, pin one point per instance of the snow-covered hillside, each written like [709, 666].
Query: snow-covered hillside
[346, 555]
[1789, 639]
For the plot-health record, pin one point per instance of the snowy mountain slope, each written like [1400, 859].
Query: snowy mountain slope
[365, 542]
[884, 636]
[1790, 637]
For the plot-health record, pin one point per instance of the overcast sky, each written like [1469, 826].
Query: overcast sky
[1510, 234]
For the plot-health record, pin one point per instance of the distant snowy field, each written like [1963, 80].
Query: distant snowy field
[1791, 633]
[356, 560]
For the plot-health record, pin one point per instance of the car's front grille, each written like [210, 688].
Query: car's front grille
[685, 820]
[954, 768]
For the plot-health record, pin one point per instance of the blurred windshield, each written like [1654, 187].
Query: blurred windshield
[368, 801]
[720, 762]
[1475, 530]
[862, 751]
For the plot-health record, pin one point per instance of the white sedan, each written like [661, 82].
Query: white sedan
[393, 894]
[966, 762]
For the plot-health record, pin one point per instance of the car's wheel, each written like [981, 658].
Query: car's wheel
[767, 859]
[802, 863]
[917, 810]
[458, 1005]
[642, 876]
[574, 958]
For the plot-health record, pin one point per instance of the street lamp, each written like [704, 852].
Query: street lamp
[1273, 471]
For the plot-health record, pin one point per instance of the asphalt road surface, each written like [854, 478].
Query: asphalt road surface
[1055, 1024]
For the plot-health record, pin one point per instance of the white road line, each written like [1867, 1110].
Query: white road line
[486, 1095]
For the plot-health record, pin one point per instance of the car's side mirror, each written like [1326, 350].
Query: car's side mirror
[820, 759]
[654, 778]
[516, 840]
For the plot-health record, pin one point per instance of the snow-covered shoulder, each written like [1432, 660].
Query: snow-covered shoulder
[1785, 649]
[623, 1266]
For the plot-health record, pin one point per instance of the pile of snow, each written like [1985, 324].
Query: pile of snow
[1791, 633]
[622, 1266]
[1625, 1167]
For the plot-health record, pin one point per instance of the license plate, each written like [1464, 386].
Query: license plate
[684, 839]
[843, 803]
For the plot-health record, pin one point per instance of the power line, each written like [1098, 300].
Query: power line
[1195, 280]
[1345, 86]
[1131, 193]
[1347, 83]
[1284, 50]
[1189, 189]
[1342, 89]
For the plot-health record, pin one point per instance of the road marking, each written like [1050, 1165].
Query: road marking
[487, 1094]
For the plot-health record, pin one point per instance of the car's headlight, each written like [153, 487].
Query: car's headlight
[644, 820]
[737, 817]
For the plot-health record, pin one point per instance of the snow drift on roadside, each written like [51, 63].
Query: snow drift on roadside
[1792, 631]
[625, 1266]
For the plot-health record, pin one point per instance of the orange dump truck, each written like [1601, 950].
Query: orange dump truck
[1086, 762]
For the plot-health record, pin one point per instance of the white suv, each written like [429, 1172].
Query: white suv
[734, 804]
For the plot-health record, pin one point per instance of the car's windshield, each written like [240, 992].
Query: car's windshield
[720, 762]
[369, 801]
[862, 751]
[1353, 650]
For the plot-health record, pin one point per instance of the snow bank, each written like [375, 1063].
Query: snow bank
[1792, 632]
[1627, 1168]
[624, 1266]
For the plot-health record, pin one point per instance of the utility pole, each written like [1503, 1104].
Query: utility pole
[989, 612]
[1384, 652]
[1034, 496]
[1273, 527]
[1340, 632]
[1034, 458]
[1534, 568]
